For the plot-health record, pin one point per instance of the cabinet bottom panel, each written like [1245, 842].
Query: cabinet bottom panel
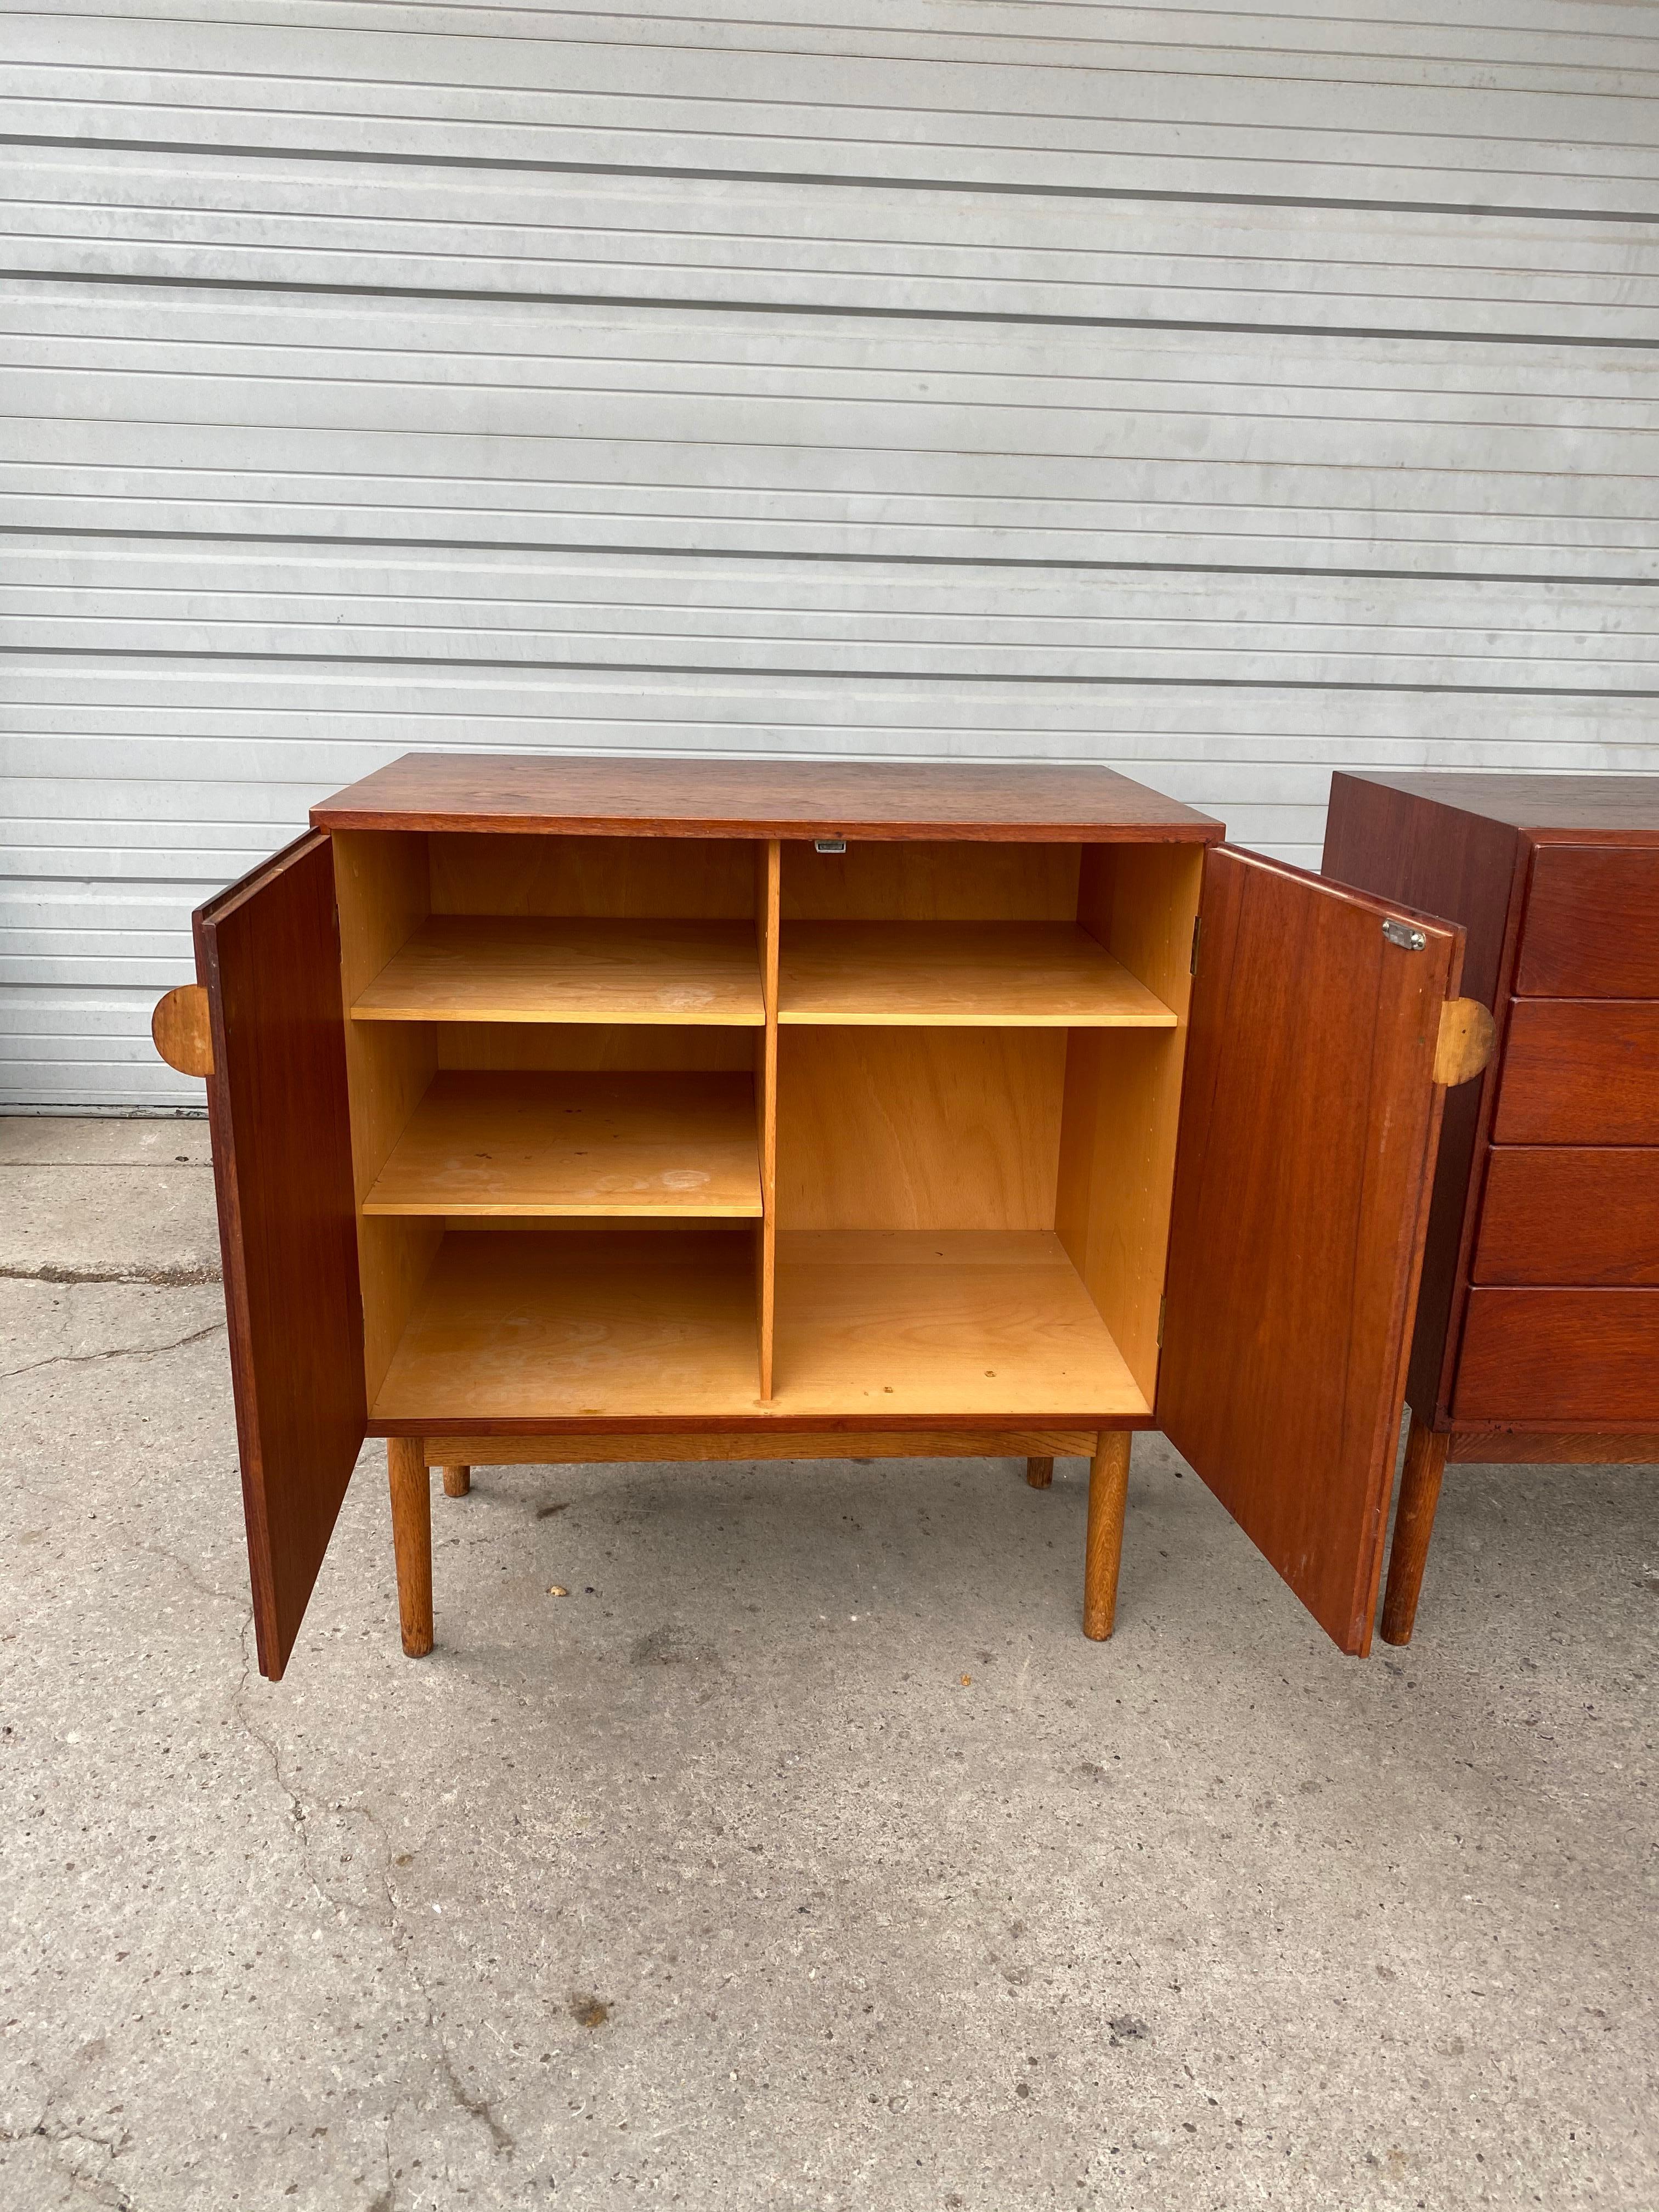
[550, 1326]
[986, 1321]
[981, 1327]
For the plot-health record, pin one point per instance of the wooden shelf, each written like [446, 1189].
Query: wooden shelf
[500, 1144]
[870, 1324]
[959, 975]
[983, 1322]
[552, 1326]
[470, 968]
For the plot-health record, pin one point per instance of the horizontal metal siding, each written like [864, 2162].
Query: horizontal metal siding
[1228, 395]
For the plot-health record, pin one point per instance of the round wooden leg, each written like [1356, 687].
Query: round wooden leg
[411, 1541]
[1413, 1525]
[1108, 1493]
[458, 1480]
[1039, 1472]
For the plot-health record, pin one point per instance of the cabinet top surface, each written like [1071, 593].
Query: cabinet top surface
[610, 794]
[1620, 808]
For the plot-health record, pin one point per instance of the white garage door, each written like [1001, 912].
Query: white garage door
[1227, 394]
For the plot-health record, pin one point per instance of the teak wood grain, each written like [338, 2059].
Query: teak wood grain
[1307, 1131]
[1430, 843]
[268, 956]
[596, 794]
[494, 1143]
[1595, 809]
[1580, 1071]
[996, 974]
[1560, 1357]
[1551, 1447]
[1592, 924]
[1569, 1216]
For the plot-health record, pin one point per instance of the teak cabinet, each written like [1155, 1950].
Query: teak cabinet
[1537, 1334]
[577, 1108]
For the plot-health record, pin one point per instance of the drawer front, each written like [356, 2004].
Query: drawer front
[1560, 1357]
[1592, 924]
[1561, 1217]
[1579, 1072]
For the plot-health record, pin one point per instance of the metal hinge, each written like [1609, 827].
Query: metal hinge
[1198, 925]
[1402, 934]
[1161, 1303]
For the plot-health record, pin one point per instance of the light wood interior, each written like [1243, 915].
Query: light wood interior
[493, 1144]
[983, 1322]
[594, 1447]
[931, 1089]
[559, 1327]
[519, 967]
[1122, 1102]
[992, 974]
[883, 1129]
[380, 889]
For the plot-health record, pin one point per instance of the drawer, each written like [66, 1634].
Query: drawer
[1579, 1072]
[1556, 1216]
[1560, 1357]
[1592, 924]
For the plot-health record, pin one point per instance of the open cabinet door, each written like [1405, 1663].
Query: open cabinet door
[1310, 1116]
[268, 954]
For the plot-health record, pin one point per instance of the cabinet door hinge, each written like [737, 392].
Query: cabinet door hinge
[1161, 1303]
[1198, 925]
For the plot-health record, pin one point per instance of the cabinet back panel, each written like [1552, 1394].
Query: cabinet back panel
[910, 1128]
[592, 1045]
[1122, 1103]
[380, 888]
[679, 878]
[930, 883]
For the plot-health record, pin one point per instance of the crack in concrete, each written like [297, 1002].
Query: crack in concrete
[120, 1351]
[59, 2134]
[160, 1552]
[183, 1275]
[477, 2109]
[296, 1812]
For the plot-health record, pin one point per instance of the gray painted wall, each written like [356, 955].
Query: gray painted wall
[1229, 395]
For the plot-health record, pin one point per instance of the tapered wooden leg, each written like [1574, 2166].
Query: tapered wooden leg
[458, 1480]
[1039, 1472]
[1108, 1492]
[411, 1540]
[1413, 1525]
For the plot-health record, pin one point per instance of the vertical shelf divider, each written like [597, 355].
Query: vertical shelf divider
[768, 877]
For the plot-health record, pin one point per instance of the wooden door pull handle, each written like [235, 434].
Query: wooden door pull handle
[181, 1027]
[1467, 1034]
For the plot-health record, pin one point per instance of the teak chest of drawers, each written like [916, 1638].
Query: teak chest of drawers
[574, 1109]
[1537, 1334]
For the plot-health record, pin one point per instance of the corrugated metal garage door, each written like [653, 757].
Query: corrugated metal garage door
[1227, 394]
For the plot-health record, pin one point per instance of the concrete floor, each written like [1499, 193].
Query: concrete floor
[805, 1856]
